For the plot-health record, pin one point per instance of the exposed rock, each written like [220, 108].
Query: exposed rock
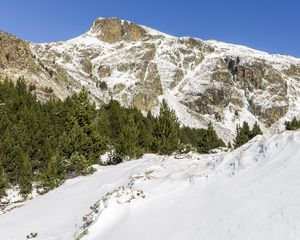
[178, 76]
[213, 99]
[104, 71]
[112, 30]
[293, 70]
[269, 115]
[146, 93]
[145, 101]
[193, 43]
[87, 65]
[15, 53]
[118, 88]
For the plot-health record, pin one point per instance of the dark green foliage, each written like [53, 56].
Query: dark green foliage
[255, 130]
[38, 140]
[3, 182]
[102, 85]
[292, 125]
[203, 139]
[244, 134]
[77, 164]
[51, 174]
[166, 130]
[49, 142]
[210, 140]
[128, 145]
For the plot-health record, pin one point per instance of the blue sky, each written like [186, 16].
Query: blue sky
[272, 26]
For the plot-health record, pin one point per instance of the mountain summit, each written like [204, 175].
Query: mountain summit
[113, 30]
[203, 81]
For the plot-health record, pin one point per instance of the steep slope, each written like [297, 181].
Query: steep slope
[250, 193]
[202, 80]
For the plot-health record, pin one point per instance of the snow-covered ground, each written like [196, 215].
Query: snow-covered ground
[250, 193]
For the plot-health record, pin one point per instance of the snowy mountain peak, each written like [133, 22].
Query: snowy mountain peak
[113, 30]
[203, 81]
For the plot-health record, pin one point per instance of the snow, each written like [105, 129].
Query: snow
[250, 193]
[277, 60]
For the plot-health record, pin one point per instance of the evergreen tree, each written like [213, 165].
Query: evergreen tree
[74, 141]
[292, 125]
[255, 130]
[146, 138]
[166, 130]
[81, 111]
[209, 140]
[3, 182]
[244, 134]
[77, 165]
[116, 118]
[128, 145]
[23, 171]
[203, 140]
[52, 174]
[103, 122]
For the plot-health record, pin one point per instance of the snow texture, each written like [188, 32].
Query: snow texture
[250, 193]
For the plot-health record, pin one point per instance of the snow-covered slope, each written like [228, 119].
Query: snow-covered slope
[250, 193]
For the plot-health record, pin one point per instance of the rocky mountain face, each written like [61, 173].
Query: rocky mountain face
[201, 80]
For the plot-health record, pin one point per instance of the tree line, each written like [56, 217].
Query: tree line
[48, 142]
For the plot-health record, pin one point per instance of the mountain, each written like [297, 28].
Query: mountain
[250, 193]
[202, 81]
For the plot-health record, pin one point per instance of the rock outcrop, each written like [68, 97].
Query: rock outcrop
[113, 30]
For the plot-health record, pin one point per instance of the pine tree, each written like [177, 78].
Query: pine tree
[78, 164]
[23, 171]
[209, 140]
[128, 145]
[98, 145]
[74, 141]
[3, 182]
[242, 135]
[52, 174]
[103, 122]
[166, 130]
[81, 111]
[146, 138]
[116, 118]
[292, 125]
[255, 130]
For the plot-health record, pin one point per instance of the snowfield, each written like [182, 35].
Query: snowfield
[250, 193]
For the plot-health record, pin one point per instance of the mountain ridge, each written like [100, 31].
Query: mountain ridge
[202, 81]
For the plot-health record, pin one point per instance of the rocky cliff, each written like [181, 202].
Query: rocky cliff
[201, 80]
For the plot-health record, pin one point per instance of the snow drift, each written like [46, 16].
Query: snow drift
[250, 193]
